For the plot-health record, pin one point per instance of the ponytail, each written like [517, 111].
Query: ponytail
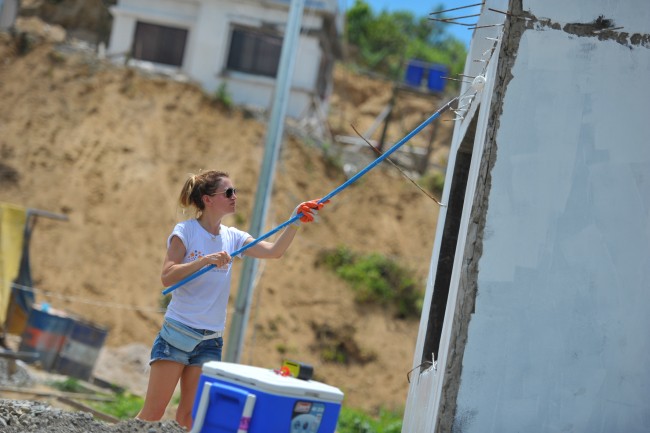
[198, 185]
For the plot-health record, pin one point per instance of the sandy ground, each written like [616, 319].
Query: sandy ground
[110, 148]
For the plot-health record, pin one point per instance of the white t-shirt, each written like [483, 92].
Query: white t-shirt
[202, 302]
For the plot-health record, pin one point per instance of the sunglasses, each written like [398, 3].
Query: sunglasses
[229, 192]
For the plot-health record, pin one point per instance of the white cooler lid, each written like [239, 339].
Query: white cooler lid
[269, 381]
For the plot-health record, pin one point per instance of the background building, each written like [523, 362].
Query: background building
[234, 44]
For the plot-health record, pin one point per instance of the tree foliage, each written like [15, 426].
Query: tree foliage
[386, 41]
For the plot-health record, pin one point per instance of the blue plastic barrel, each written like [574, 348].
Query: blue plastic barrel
[80, 351]
[435, 81]
[415, 73]
[44, 334]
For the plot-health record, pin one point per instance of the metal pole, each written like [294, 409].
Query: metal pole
[265, 183]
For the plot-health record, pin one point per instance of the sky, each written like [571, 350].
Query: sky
[424, 7]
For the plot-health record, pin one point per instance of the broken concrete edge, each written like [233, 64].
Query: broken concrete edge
[601, 28]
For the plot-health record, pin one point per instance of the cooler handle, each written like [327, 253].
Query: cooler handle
[247, 414]
[247, 411]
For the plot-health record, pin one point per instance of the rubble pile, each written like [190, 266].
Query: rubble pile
[34, 417]
[22, 416]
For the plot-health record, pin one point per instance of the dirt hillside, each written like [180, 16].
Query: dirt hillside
[110, 148]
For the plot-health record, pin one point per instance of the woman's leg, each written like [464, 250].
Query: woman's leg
[163, 379]
[189, 384]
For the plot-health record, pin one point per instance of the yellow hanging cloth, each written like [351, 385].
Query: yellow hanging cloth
[12, 229]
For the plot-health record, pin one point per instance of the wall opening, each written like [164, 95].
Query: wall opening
[254, 51]
[159, 44]
[448, 247]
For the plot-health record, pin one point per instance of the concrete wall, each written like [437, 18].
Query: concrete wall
[209, 24]
[546, 328]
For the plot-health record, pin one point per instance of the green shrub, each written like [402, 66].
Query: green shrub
[69, 385]
[125, 406]
[223, 96]
[376, 279]
[356, 421]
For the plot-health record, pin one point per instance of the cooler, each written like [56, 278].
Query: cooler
[235, 398]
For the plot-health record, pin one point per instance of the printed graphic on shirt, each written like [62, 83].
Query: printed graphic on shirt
[196, 255]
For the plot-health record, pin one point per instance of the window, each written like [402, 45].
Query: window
[159, 44]
[254, 52]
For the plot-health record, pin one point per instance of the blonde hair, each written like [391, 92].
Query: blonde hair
[198, 185]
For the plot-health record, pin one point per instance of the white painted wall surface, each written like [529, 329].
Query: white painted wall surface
[560, 338]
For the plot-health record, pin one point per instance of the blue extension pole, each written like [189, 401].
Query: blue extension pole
[337, 190]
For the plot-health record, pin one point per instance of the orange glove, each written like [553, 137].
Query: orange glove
[309, 210]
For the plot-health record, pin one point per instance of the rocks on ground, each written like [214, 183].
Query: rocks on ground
[35, 417]
[22, 416]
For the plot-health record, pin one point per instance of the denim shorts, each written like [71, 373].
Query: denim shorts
[206, 350]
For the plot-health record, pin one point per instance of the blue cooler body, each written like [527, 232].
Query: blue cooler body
[235, 398]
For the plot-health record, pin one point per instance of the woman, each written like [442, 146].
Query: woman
[192, 333]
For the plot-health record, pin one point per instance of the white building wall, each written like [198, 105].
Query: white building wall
[206, 41]
[258, 90]
[162, 12]
[559, 338]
